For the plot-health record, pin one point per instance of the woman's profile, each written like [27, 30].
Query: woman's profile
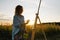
[18, 24]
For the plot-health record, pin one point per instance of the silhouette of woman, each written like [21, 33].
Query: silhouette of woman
[18, 24]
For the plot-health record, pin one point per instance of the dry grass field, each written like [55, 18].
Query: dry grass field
[52, 32]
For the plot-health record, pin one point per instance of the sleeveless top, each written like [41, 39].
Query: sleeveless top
[17, 21]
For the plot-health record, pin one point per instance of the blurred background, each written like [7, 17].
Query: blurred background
[49, 14]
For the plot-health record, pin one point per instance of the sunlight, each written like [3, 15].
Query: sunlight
[31, 22]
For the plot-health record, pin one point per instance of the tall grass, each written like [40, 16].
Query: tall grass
[49, 29]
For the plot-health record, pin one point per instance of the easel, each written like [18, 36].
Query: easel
[34, 30]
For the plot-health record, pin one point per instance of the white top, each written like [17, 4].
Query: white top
[17, 21]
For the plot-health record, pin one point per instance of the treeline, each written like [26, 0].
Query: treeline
[54, 23]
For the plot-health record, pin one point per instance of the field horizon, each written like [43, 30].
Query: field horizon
[52, 31]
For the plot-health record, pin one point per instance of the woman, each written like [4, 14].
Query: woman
[18, 24]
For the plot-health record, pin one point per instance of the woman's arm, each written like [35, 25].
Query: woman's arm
[27, 22]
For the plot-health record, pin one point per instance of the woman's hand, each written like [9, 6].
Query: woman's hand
[27, 21]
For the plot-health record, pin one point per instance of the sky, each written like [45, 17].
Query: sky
[49, 10]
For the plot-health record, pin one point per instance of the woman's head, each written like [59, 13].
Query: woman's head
[18, 10]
